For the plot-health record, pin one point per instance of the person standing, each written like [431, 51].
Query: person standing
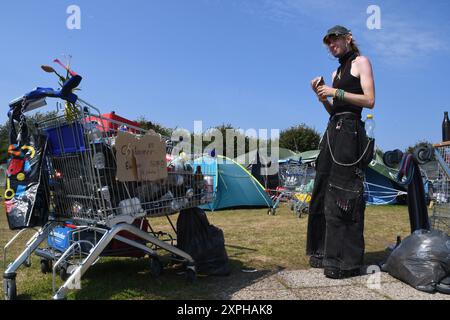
[335, 239]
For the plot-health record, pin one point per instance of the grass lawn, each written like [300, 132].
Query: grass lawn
[254, 241]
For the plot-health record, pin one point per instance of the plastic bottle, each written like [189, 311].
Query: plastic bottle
[446, 128]
[93, 131]
[370, 126]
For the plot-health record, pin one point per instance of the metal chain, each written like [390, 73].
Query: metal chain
[22, 120]
[347, 164]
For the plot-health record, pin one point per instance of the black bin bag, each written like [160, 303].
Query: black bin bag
[203, 241]
[422, 260]
[26, 195]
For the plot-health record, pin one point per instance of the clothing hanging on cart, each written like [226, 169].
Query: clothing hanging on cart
[26, 196]
[417, 206]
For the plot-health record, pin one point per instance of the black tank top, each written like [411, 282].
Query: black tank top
[348, 83]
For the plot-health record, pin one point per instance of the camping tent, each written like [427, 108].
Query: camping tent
[265, 156]
[381, 182]
[309, 156]
[380, 185]
[234, 186]
[259, 162]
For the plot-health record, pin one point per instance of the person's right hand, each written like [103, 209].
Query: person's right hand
[315, 89]
[313, 84]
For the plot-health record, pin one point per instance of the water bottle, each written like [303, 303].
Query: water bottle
[94, 133]
[445, 128]
[370, 126]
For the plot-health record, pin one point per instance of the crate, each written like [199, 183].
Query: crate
[67, 138]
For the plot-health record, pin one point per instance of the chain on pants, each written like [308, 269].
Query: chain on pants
[336, 219]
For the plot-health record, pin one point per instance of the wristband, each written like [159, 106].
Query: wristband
[339, 94]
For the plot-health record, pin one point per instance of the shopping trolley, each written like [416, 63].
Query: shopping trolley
[440, 189]
[91, 212]
[295, 188]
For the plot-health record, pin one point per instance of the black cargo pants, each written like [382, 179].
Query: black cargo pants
[336, 214]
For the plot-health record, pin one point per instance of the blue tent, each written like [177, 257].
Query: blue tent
[380, 186]
[234, 186]
[380, 190]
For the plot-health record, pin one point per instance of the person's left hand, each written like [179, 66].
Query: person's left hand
[325, 91]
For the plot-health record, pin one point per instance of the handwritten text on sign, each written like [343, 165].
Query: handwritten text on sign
[140, 159]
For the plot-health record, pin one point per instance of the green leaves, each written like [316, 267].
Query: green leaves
[300, 138]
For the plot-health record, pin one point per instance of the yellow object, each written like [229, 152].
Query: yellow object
[21, 177]
[369, 116]
[184, 156]
[30, 148]
[70, 112]
[9, 193]
[303, 197]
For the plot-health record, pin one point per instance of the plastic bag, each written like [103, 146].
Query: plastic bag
[422, 260]
[203, 241]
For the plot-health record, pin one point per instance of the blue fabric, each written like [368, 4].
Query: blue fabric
[65, 93]
[234, 186]
[376, 195]
[39, 93]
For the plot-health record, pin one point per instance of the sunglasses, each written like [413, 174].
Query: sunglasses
[333, 37]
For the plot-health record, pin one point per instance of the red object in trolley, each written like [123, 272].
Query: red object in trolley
[111, 122]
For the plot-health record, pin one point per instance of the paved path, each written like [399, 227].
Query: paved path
[313, 285]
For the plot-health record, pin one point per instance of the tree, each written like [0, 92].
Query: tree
[238, 137]
[147, 125]
[299, 138]
[4, 143]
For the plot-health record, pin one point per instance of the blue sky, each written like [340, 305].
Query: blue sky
[247, 63]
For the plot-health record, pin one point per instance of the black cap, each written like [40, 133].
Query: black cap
[336, 31]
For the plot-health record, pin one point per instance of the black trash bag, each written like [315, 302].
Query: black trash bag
[422, 260]
[203, 241]
[26, 196]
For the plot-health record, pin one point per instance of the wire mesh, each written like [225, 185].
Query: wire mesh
[82, 166]
[440, 219]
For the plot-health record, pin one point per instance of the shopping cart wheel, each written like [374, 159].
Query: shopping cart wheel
[305, 210]
[45, 266]
[272, 211]
[10, 289]
[156, 267]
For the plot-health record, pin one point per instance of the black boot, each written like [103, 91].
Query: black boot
[336, 273]
[350, 273]
[332, 272]
[316, 261]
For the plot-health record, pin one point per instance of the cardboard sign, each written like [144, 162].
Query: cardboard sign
[141, 159]
[150, 154]
[126, 162]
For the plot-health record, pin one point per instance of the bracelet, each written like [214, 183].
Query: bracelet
[339, 94]
[342, 95]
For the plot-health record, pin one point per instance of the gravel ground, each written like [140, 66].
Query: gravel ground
[313, 285]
